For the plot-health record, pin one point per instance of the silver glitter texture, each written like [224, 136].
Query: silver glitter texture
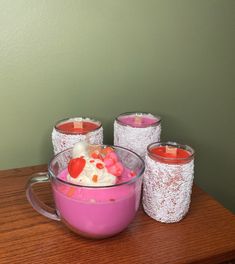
[167, 190]
[63, 141]
[136, 138]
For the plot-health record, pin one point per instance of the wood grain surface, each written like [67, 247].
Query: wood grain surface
[205, 235]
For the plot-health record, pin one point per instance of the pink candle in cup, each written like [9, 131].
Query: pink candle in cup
[71, 130]
[135, 131]
[92, 210]
[168, 180]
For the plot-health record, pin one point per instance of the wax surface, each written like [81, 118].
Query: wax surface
[97, 212]
[175, 156]
[70, 127]
[138, 120]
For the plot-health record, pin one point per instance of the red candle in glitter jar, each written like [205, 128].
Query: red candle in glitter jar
[170, 153]
[69, 131]
[77, 127]
[168, 181]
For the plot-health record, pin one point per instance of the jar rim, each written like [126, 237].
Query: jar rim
[171, 144]
[139, 113]
[72, 119]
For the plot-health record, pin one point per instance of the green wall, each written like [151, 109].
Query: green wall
[100, 58]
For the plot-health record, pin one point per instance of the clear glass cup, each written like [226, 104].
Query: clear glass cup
[95, 212]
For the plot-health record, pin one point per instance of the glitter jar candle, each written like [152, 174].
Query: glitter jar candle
[135, 131]
[71, 130]
[168, 180]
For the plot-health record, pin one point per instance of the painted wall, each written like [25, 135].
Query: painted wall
[101, 58]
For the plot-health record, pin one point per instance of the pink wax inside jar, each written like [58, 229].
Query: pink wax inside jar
[77, 127]
[97, 212]
[138, 120]
[170, 154]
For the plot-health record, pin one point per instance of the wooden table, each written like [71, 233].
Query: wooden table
[205, 235]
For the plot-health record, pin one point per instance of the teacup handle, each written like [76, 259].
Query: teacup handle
[37, 204]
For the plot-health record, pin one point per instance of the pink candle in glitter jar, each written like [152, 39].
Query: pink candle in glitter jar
[69, 131]
[168, 180]
[135, 131]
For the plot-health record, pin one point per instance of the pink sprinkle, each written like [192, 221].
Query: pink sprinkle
[119, 168]
[108, 162]
[112, 155]
[116, 169]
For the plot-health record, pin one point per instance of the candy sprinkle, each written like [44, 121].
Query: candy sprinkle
[99, 166]
[70, 192]
[96, 155]
[132, 174]
[95, 178]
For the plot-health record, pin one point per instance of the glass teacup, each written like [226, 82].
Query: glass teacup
[95, 212]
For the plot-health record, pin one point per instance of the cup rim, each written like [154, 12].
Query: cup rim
[158, 118]
[173, 144]
[74, 119]
[51, 174]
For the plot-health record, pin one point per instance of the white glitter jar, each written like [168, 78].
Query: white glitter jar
[71, 130]
[168, 180]
[135, 131]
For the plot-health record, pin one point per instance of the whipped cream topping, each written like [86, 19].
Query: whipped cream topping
[92, 166]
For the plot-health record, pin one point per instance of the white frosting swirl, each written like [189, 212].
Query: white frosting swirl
[92, 174]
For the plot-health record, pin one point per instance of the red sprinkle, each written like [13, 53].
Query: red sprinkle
[99, 166]
[91, 161]
[132, 173]
[96, 155]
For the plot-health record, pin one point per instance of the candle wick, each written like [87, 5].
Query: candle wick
[78, 124]
[171, 150]
[138, 120]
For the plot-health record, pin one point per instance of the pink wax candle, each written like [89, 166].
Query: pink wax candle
[138, 120]
[98, 212]
[136, 131]
[71, 130]
[93, 196]
[168, 181]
